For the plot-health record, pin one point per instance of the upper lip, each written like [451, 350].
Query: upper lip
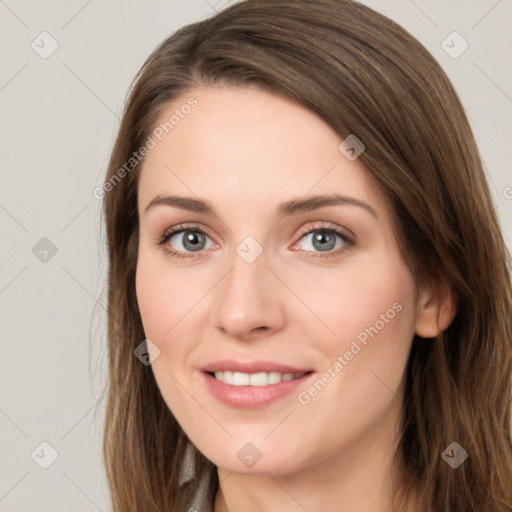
[251, 367]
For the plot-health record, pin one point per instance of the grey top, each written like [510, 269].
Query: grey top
[201, 499]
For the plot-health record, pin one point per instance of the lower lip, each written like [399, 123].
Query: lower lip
[252, 397]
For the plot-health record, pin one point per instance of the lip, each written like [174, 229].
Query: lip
[251, 367]
[252, 397]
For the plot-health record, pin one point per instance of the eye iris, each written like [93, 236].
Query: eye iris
[195, 239]
[320, 237]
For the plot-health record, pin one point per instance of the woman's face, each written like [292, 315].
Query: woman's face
[270, 276]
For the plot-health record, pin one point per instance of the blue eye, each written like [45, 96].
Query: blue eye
[322, 242]
[325, 242]
[191, 239]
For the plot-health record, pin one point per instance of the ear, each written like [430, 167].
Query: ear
[436, 309]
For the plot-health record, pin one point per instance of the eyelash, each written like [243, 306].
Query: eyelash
[348, 239]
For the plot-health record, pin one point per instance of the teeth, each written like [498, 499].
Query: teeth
[255, 379]
[240, 379]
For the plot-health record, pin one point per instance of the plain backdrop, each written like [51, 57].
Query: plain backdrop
[59, 116]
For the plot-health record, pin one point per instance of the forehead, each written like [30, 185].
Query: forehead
[242, 143]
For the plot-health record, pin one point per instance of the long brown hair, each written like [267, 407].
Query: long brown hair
[364, 75]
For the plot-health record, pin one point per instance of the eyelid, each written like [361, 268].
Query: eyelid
[328, 226]
[186, 226]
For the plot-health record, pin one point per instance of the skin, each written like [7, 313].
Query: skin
[244, 151]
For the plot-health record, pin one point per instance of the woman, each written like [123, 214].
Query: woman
[307, 265]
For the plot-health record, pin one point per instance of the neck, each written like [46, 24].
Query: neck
[356, 479]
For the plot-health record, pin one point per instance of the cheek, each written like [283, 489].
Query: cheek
[163, 296]
[160, 308]
[372, 314]
[151, 300]
[169, 301]
[358, 298]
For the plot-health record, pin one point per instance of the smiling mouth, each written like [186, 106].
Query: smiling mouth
[254, 379]
[253, 390]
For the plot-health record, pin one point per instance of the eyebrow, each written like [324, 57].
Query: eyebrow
[287, 208]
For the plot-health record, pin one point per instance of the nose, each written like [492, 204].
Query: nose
[248, 302]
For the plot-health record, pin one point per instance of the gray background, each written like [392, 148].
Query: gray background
[59, 118]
